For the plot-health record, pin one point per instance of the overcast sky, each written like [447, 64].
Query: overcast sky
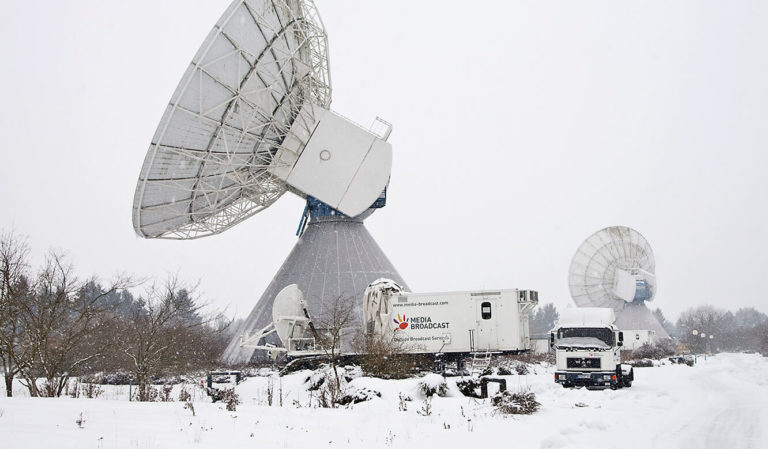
[520, 128]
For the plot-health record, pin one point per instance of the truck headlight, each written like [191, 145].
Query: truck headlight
[607, 377]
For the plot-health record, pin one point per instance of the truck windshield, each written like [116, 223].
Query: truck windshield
[585, 337]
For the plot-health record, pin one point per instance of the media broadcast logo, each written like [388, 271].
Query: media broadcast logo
[420, 322]
[401, 323]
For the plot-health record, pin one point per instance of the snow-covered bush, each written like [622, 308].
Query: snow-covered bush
[329, 393]
[662, 348]
[315, 380]
[358, 395]
[469, 387]
[230, 398]
[520, 403]
[325, 390]
[642, 363]
[522, 368]
[432, 384]
[352, 372]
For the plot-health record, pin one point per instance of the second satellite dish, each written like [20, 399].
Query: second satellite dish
[248, 122]
[612, 268]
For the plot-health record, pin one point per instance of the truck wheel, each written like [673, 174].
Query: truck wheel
[627, 383]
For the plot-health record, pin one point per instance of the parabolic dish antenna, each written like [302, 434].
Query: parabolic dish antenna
[289, 314]
[248, 122]
[612, 268]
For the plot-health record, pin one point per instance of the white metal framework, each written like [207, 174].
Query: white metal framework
[244, 103]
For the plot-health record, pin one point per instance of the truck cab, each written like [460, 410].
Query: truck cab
[587, 350]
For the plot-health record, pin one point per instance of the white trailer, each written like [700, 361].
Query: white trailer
[450, 322]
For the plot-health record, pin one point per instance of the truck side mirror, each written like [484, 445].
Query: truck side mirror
[621, 339]
[551, 339]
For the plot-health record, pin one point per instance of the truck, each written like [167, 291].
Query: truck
[587, 348]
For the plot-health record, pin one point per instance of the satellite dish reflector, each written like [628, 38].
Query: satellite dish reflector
[613, 267]
[248, 122]
[289, 314]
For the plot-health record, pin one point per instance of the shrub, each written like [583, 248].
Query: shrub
[329, 393]
[359, 395]
[232, 399]
[469, 387]
[92, 390]
[432, 384]
[660, 349]
[185, 396]
[315, 380]
[384, 357]
[165, 393]
[521, 368]
[644, 363]
[521, 403]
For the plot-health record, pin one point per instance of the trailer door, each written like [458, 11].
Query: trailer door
[486, 335]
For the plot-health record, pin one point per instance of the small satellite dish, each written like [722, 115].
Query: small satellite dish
[289, 314]
[612, 268]
[249, 121]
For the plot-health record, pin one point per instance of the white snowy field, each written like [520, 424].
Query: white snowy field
[722, 402]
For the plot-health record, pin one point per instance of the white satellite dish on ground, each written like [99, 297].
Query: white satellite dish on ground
[289, 314]
[248, 122]
[615, 268]
[290, 321]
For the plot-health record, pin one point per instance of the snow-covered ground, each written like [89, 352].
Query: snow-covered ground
[719, 403]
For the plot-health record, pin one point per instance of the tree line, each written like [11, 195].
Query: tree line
[722, 330]
[55, 326]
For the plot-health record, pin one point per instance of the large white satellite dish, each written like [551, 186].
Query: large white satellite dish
[612, 268]
[248, 122]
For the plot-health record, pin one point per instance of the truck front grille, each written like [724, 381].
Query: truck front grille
[583, 362]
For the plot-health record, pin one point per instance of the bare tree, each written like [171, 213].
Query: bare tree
[167, 333]
[14, 263]
[334, 325]
[706, 320]
[60, 318]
